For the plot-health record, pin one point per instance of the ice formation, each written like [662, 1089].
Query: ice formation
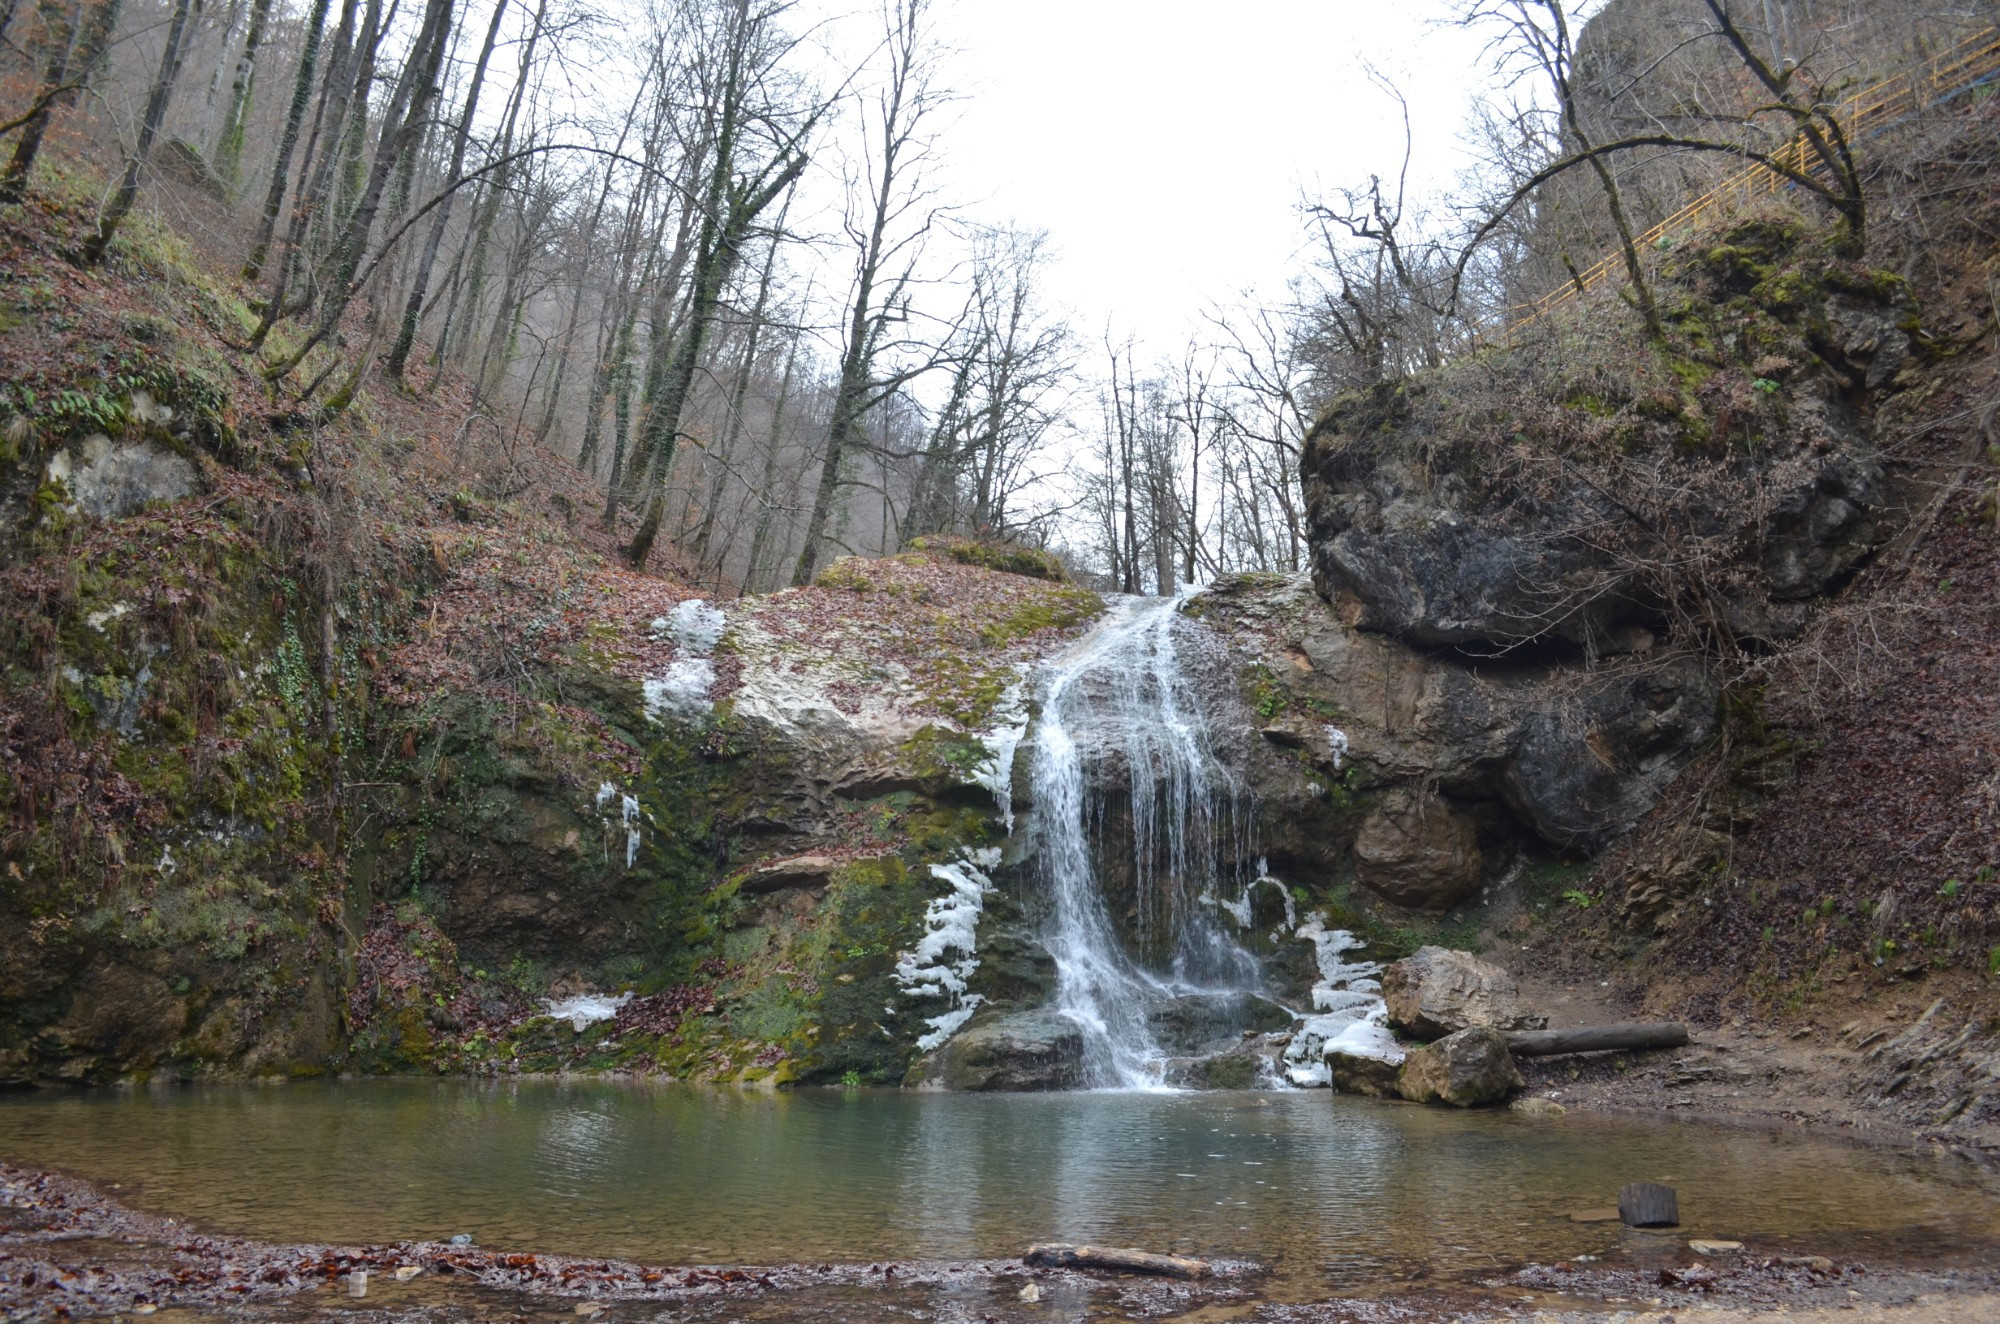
[1336, 740]
[951, 925]
[695, 628]
[585, 1009]
[1002, 739]
[628, 811]
[1348, 1001]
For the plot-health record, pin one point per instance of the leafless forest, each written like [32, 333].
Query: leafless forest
[702, 247]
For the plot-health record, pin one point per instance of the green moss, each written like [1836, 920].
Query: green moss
[1057, 610]
[849, 573]
[1007, 558]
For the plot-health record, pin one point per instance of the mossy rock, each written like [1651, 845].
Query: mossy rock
[1005, 557]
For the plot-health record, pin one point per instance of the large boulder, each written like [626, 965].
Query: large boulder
[1438, 992]
[1464, 1069]
[1417, 851]
[1358, 1073]
[1021, 1051]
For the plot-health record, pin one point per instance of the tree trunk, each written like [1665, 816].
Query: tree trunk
[229, 148]
[315, 172]
[70, 63]
[402, 125]
[1629, 1035]
[149, 128]
[406, 333]
[715, 258]
[274, 197]
[1059, 1256]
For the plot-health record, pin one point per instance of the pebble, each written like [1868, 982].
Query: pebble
[589, 1308]
[1701, 1247]
[144, 1308]
[1031, 1293]
[405, 1272]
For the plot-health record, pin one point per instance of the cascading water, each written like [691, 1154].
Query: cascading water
[1120, 709]
[1124, 727]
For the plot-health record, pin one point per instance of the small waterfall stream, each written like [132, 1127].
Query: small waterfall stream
[1121, 712]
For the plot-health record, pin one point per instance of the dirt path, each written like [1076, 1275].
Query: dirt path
[1844, 1069]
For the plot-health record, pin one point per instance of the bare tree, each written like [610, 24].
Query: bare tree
[888, 233]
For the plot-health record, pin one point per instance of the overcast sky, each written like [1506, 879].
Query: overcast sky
[1164, 144]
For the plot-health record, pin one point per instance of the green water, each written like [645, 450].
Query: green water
[1315, 1186]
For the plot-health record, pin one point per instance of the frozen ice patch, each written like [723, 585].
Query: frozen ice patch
[1347, 998]
[1336, 743]
[1002, 739]
[946, 956]
[585, 1009]
[683, 692]
[629, 813]
[695, 628]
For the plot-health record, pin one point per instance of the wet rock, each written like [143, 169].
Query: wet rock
[1465, 1070]
[1186, 1024]
[1535, 1106]
[1437, 991]
[1021, 1051]
[1417, 851]
[109, 479]
[1352, 1073]
[1242, 1068]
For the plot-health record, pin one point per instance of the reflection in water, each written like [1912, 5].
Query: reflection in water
[1307, 1183]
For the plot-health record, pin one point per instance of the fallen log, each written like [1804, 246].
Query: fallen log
[1597, 1038]
[1060, 1256]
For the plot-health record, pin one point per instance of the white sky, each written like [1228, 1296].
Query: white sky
[1164, 144]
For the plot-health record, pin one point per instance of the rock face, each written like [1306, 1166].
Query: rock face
[1464, 1069]
[108, 479]
[1417, 852]
[1370, 1076]
[1031, 1050]
[1522, 565]
[1438, 992]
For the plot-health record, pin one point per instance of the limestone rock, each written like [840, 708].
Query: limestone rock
[1417, 852]
[1022, 1051]
[1370, 1076]
[1438, 991]
[1464, 1069]
[108, 479]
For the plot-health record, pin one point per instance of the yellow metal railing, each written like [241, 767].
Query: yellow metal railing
[1971, 60]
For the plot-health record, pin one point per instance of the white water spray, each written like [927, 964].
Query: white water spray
[1120, 709]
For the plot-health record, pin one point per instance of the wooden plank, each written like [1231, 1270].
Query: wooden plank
[1625, 1036]
[1059, 1255]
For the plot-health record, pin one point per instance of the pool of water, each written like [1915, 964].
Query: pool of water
[1319, 1187]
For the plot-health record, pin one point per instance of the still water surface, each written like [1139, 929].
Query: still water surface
[671, 1174]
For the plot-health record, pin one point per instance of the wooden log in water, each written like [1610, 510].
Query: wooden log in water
[1648, 1204]
[1061, 1256]
[1597, 1038]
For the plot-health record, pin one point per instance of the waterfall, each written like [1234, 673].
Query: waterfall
[1120, 711]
